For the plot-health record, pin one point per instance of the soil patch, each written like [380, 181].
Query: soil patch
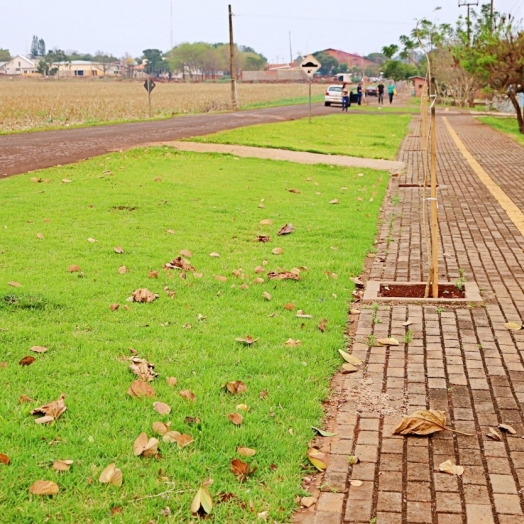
[417, 291]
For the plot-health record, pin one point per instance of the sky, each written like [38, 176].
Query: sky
[130, 26]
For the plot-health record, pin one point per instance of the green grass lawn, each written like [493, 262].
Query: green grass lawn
[154, 203]
[508, 126]
[363, 136]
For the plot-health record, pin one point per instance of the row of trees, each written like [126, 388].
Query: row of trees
[484, 52]
[331, 66]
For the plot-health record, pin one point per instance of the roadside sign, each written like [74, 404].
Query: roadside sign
[149, 85]
[310, 66]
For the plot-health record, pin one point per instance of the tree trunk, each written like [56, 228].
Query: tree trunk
[518, 109]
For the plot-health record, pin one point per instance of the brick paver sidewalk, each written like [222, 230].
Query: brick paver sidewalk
[461, 360]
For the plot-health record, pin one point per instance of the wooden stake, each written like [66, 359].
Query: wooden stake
[434, 202]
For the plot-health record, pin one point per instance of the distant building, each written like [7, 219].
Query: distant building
[420, 85]
[85, 68]
[19, 65]
[352, 60]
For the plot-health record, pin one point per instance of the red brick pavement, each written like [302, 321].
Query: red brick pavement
[460, 360]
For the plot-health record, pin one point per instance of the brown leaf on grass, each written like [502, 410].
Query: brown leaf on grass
[236, 418]
[62, 465]
[286, 229]
[114, 307]
[118, 249]
[202, 501]
[246, 452]
[122, 270]
[322, 325]
[192, 420]
[494, 434]
[334, 201]
[266, 222]
[53, 409]
[350, 358]
[290, 306]
[43, 487]
[259, 269]
[143, 369]
[242, 407]
[161, 428]
[507, 429]
[317, 458]
[186, 253]
[47, 419]
[144, 446]
[388, 341]
[181, 439]
[241, 469]
[27, 361]
[180, 263]
[111, 475]
[290, 343]
[144, 295]
[301, 314]
[235, 387]
[116, 510]
[357, 282]
[66, 181]
[452, 469]
[187, 394]
[214, 255]
[170, 436]
[220, 278]
[283, 275]
[266, 295]
[513, 326]
[153, 274]
[139, 389]
[170, 231]
[422, 422]
[162, 408]
[40, 236]
[247, 341]
[258, 280]
[14, 284]
[92, 240]
[4, 459]
[263, 238]
[171, 381]
[277, 251]
[295, 191]
[25, 398]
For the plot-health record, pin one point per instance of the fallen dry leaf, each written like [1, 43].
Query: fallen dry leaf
[171, 381]
[422, 422]
[14, 284]
[221, 278]
[160, 427]
[296, 191]
[4, 459]
[186, 253]
[66, 181]
[290, 343]
[287, 229]
[143, 369]
[44, 487]
[407, 323]
[114, 307]
[307, 502]
[153, 274]
[247, 341]
[355, 311]
[139, 388]
[357, 282]
[40, 236]
[144, 295]
[180, 439]
[242, 407]
[348, 368]
[452, 469]
[263, 238]
[494, 434]
[246, 452]
[259, 269]
[241, 469]
[170, 231]
[258, 280]
[266, 295]
[122, 270]
[162, 408]
[350, 358]
[266, 222]
[62, 465]
[322, 325]
[170, 436]
[145, 447]
[187, 394]
[235, 387]
[214, 254]
[290, 307]
[236, 418]
[283, 275]
[277, 251]
[513, 326]
[118, 250]
[317, 458]
[53, 410]
[334, 201]
[356, 483]
[24, 398]
[92, 240]
[507, 429]
[27, 361]
[301, 314]
[111, 475]
[191, 420]
[202, 501]
[180, 263]
[388, 341]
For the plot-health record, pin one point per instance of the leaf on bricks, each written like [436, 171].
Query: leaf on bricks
[423, 422]
[452, 469]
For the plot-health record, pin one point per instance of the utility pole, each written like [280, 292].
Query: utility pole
[467, 3]
[171, 24]
[290, 50]
[233, 69]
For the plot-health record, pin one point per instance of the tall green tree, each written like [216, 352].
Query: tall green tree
[5, 55]
[329, 64]
[37, 47]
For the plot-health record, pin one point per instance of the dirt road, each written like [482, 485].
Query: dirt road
[27, 152]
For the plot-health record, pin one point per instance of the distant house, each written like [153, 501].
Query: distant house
[85, 68]
[352, 60]
[420, 85]
[19, 65]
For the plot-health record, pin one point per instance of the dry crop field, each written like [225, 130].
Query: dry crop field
[38, 103]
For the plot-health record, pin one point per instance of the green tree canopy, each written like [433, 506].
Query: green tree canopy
[329, 64]
[5, 55]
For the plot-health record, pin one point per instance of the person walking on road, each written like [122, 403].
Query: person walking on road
[380, 92]
[392, 91]
[359, 93]
[345, 97]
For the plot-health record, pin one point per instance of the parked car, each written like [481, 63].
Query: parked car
[371, 91]
[334, 96]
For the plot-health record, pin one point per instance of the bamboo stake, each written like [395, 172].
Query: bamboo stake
[434, 202]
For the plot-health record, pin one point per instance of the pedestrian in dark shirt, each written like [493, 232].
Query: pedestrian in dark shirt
[380, 89]
[359, 93]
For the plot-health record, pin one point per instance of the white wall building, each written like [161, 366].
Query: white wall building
[19, 65]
